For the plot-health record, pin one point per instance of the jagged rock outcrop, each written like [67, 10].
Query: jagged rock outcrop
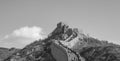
[67, 44]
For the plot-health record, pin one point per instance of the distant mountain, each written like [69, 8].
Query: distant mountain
[67, 44]
[5, 52]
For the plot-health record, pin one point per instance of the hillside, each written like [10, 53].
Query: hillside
[67, 44]
[5, 52]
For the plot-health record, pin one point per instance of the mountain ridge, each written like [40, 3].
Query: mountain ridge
[67, 44]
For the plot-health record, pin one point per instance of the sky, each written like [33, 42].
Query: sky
[23, 21]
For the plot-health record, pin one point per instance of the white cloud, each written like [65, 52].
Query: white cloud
[29, 32]
[6, 36]
[22, 36]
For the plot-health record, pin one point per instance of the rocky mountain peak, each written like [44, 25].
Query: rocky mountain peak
[62, 25]
[61, 28]
[63, 31]
[67, 44]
